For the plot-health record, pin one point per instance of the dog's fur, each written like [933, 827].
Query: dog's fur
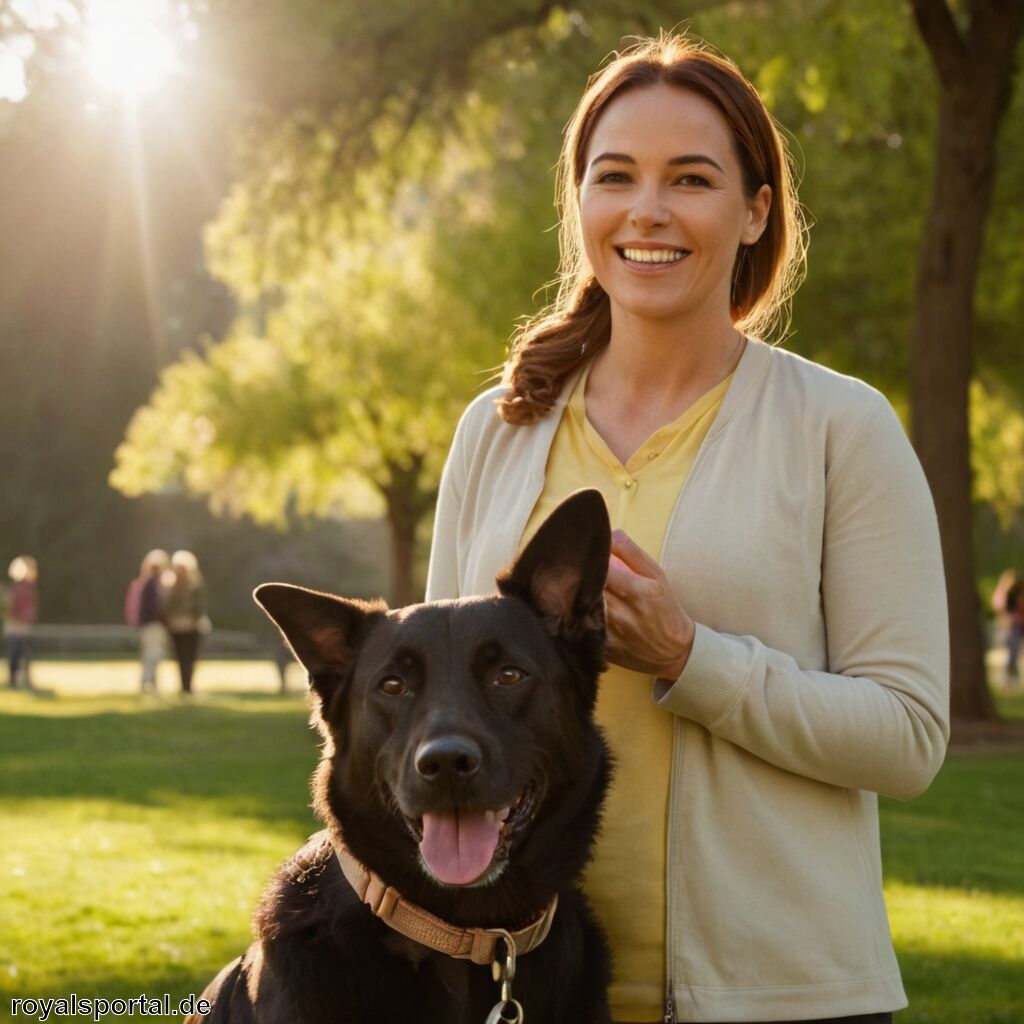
[429, 710]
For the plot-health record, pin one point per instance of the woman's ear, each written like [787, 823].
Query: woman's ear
[757, 215]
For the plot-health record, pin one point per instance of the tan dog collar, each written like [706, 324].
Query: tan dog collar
[476, 944]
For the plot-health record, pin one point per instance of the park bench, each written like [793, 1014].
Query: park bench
[114, 638]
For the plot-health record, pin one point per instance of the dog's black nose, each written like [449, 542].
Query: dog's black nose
[448, 758]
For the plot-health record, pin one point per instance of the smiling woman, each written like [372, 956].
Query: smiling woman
[128, 48]
[755, 700]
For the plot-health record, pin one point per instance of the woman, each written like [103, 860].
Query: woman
[21, 614]
[143, 609]
[775, 601]
[184, 613]
[1008, 604]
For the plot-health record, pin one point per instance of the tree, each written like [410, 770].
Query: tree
[338, 401]
[974, 64]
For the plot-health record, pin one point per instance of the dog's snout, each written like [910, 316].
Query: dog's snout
[448, 759]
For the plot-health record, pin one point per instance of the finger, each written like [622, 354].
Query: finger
[621, 579]
[618, 562]
[626, 549]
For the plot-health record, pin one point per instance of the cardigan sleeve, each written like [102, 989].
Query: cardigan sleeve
[443, 567]
[877, 719]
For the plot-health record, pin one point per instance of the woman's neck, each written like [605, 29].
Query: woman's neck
[647, 378]
[665, 364]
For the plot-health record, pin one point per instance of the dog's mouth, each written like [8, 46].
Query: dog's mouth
[468, 846]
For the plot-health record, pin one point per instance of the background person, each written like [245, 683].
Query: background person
[184, 613]
[1008, 604]
[21, 614]
[144, 610]
[776, 600]
[282, 658]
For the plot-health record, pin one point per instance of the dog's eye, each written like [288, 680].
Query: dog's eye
[509, 676]
[392, 686]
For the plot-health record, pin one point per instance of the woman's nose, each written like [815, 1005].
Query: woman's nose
[649, 209]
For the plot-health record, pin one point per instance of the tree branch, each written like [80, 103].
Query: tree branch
[942, 38]
[995, 30]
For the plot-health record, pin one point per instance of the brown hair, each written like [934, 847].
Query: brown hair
[551, 346]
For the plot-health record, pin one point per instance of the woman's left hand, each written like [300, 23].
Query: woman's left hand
[648, 629]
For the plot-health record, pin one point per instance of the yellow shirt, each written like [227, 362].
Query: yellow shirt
[625, 882]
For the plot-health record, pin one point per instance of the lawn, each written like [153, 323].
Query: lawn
[137, 834]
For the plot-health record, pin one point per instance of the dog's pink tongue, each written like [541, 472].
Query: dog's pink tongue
[458, 845]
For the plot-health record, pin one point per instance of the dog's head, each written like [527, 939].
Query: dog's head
[460, 751]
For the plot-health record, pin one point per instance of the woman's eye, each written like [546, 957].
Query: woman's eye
[612, 178]
[392, 686]
[509, 676]
[693, 179]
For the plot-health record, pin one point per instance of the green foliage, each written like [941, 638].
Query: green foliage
[360, 368]
[997, 450]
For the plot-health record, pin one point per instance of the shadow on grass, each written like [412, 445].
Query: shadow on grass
[253, 757]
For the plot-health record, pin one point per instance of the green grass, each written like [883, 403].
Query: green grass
[136, 835]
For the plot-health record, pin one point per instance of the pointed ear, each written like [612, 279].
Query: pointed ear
[322, 630]
[562, 571]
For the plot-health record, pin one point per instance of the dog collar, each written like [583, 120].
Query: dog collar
[476, 944]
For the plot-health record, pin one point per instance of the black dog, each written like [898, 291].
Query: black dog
[461, 780]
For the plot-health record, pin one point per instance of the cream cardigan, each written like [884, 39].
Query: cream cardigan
[804, 544]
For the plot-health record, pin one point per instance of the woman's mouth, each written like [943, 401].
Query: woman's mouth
[651, 257]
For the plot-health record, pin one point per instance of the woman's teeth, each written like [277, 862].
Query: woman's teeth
[653, 255]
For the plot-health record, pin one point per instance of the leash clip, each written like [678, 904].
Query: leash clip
[503, 969]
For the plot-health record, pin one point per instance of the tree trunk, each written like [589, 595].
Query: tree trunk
[975, 72]
[406, 504]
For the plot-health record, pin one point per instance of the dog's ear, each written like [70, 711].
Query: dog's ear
[322, 630]
[562, 571]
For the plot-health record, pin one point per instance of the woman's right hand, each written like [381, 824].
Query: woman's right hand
[649, 631]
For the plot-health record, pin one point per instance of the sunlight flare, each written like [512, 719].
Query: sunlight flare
[128, 48]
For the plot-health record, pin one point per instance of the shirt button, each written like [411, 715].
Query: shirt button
[628, 484]
[651, 456]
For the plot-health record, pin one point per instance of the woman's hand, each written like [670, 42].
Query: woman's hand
[648, 629]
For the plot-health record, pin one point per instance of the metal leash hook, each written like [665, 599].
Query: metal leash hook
[497, 1015]
[503, 969]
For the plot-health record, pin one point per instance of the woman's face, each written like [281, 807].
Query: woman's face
[663, 207]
